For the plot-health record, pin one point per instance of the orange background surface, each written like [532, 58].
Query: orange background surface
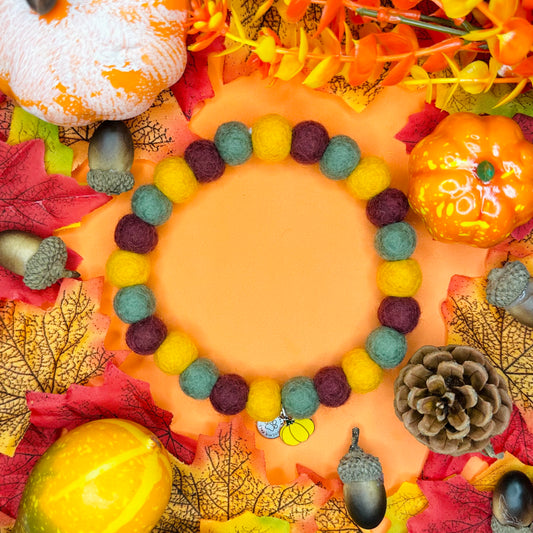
[271, 270]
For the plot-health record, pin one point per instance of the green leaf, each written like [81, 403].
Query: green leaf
[57, 157]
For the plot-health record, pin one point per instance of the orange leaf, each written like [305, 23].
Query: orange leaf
[228, 477]
[296, 9]
[399, 71]
[288, 67]
[394, 43]
[407, 31]
[513, 45]
[437, 61]
[330, 11]
[365, 54]
[524, 68]
[323, 72]
[405, 4]
[49, 350]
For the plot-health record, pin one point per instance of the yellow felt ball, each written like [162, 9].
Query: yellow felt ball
[370, 177]
[362, 373]
[125, 268]
[175, 179]
[176, 353]
[271, 138]
[399, 278]
[264, 399]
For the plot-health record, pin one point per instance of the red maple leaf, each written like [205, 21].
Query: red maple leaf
[32, 200]
[454, 506]
[516, 439]
[420, 125]
[120, 396]
[194, 86]
[439, 466]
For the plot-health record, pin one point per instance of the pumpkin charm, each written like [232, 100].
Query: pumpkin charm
[296, 431]
[91, 60]
[471, 179]
[106, 475]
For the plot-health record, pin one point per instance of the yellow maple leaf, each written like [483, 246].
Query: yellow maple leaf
[246, 523]
[487, 479]
[406, 502]
[48, 350]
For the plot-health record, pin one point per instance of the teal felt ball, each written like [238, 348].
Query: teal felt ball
[299, 397]
[340, 158]
[395, 242]
[199, 378]
[234, 142]
[151, 205]
[134, 303]
[386, 347]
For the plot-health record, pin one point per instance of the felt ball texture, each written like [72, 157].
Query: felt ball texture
[387, 207]
[362, 373]
[134, 303]
[233, 142]
[332, 386]
[401, 314]
[145, 337]
[199, 378]
[203, 158]
[386, 346]
[175, 179]
[340, 158]
[395, 242]
[125, 268]
[309, 142]
[271, 138]
[399, 278]
[176, 353]
[370, 177]
[151, 205]
[229, 394]
[299, 397]
[135, 235]
[264, 399]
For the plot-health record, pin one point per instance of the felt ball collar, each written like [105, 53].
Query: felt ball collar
[271, 139]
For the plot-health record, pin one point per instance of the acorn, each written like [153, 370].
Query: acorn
[40, 261]
[364, 492]
[42, 7]
[512, 500]
[111, 158]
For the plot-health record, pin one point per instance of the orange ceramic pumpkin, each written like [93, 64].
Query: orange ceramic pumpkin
[90, 60]
[108, 475]
[471, 180]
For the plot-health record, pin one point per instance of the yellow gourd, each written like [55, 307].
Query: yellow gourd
[106, 476]
[90, 60]
[297, 431]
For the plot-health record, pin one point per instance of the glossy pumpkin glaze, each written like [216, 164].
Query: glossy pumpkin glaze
[471, 179]
[89, 60]
[110, 476]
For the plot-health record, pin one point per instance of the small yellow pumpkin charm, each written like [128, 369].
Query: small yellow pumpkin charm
[296, 431]
[108, 475]
[91, 60]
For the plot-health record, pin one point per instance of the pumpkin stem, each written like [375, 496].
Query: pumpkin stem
[485, 171]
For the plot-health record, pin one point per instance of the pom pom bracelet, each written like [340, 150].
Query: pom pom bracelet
[176, 179]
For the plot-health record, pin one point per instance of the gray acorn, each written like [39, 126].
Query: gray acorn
[364, 491]
[512, 500]
[42, 7]
[40, 261]
[110, 158]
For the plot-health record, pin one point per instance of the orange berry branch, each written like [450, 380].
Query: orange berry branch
[473, 44]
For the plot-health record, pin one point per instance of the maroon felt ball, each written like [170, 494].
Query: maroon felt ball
[205, 161]
[229, 394]
[309, 142]
[145, 337]
[387, 207]
[401, 314]
[135, 235]
[331, 386]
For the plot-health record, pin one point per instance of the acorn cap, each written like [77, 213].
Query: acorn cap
[497, 527]
[47, 265]
[357, 465]
[506, 284]
[111, 182]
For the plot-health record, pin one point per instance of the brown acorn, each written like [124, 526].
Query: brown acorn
[512, 500]
[364, 492]
[40, 261]
[42, 7]
[110, 158]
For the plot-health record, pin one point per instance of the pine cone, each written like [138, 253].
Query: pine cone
[452, 399]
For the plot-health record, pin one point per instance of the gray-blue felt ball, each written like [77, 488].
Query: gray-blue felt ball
[395, 242]
[151, 205]
[299, 397]
[199, 378]
[134, 303]
[340, 158]
[234, 143]
[386, 347]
